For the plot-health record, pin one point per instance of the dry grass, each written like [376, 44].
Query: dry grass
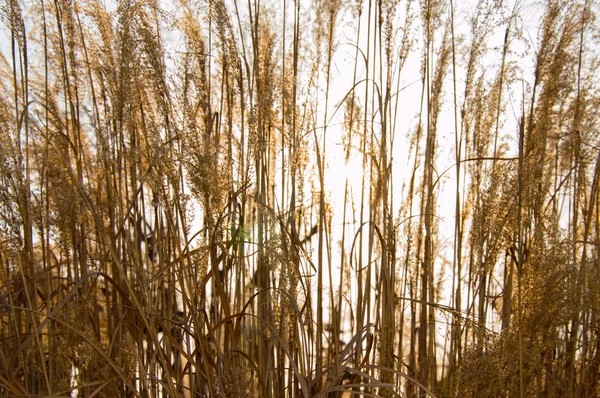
[168, 225]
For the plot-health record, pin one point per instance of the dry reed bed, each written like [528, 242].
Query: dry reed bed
[168, 227]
